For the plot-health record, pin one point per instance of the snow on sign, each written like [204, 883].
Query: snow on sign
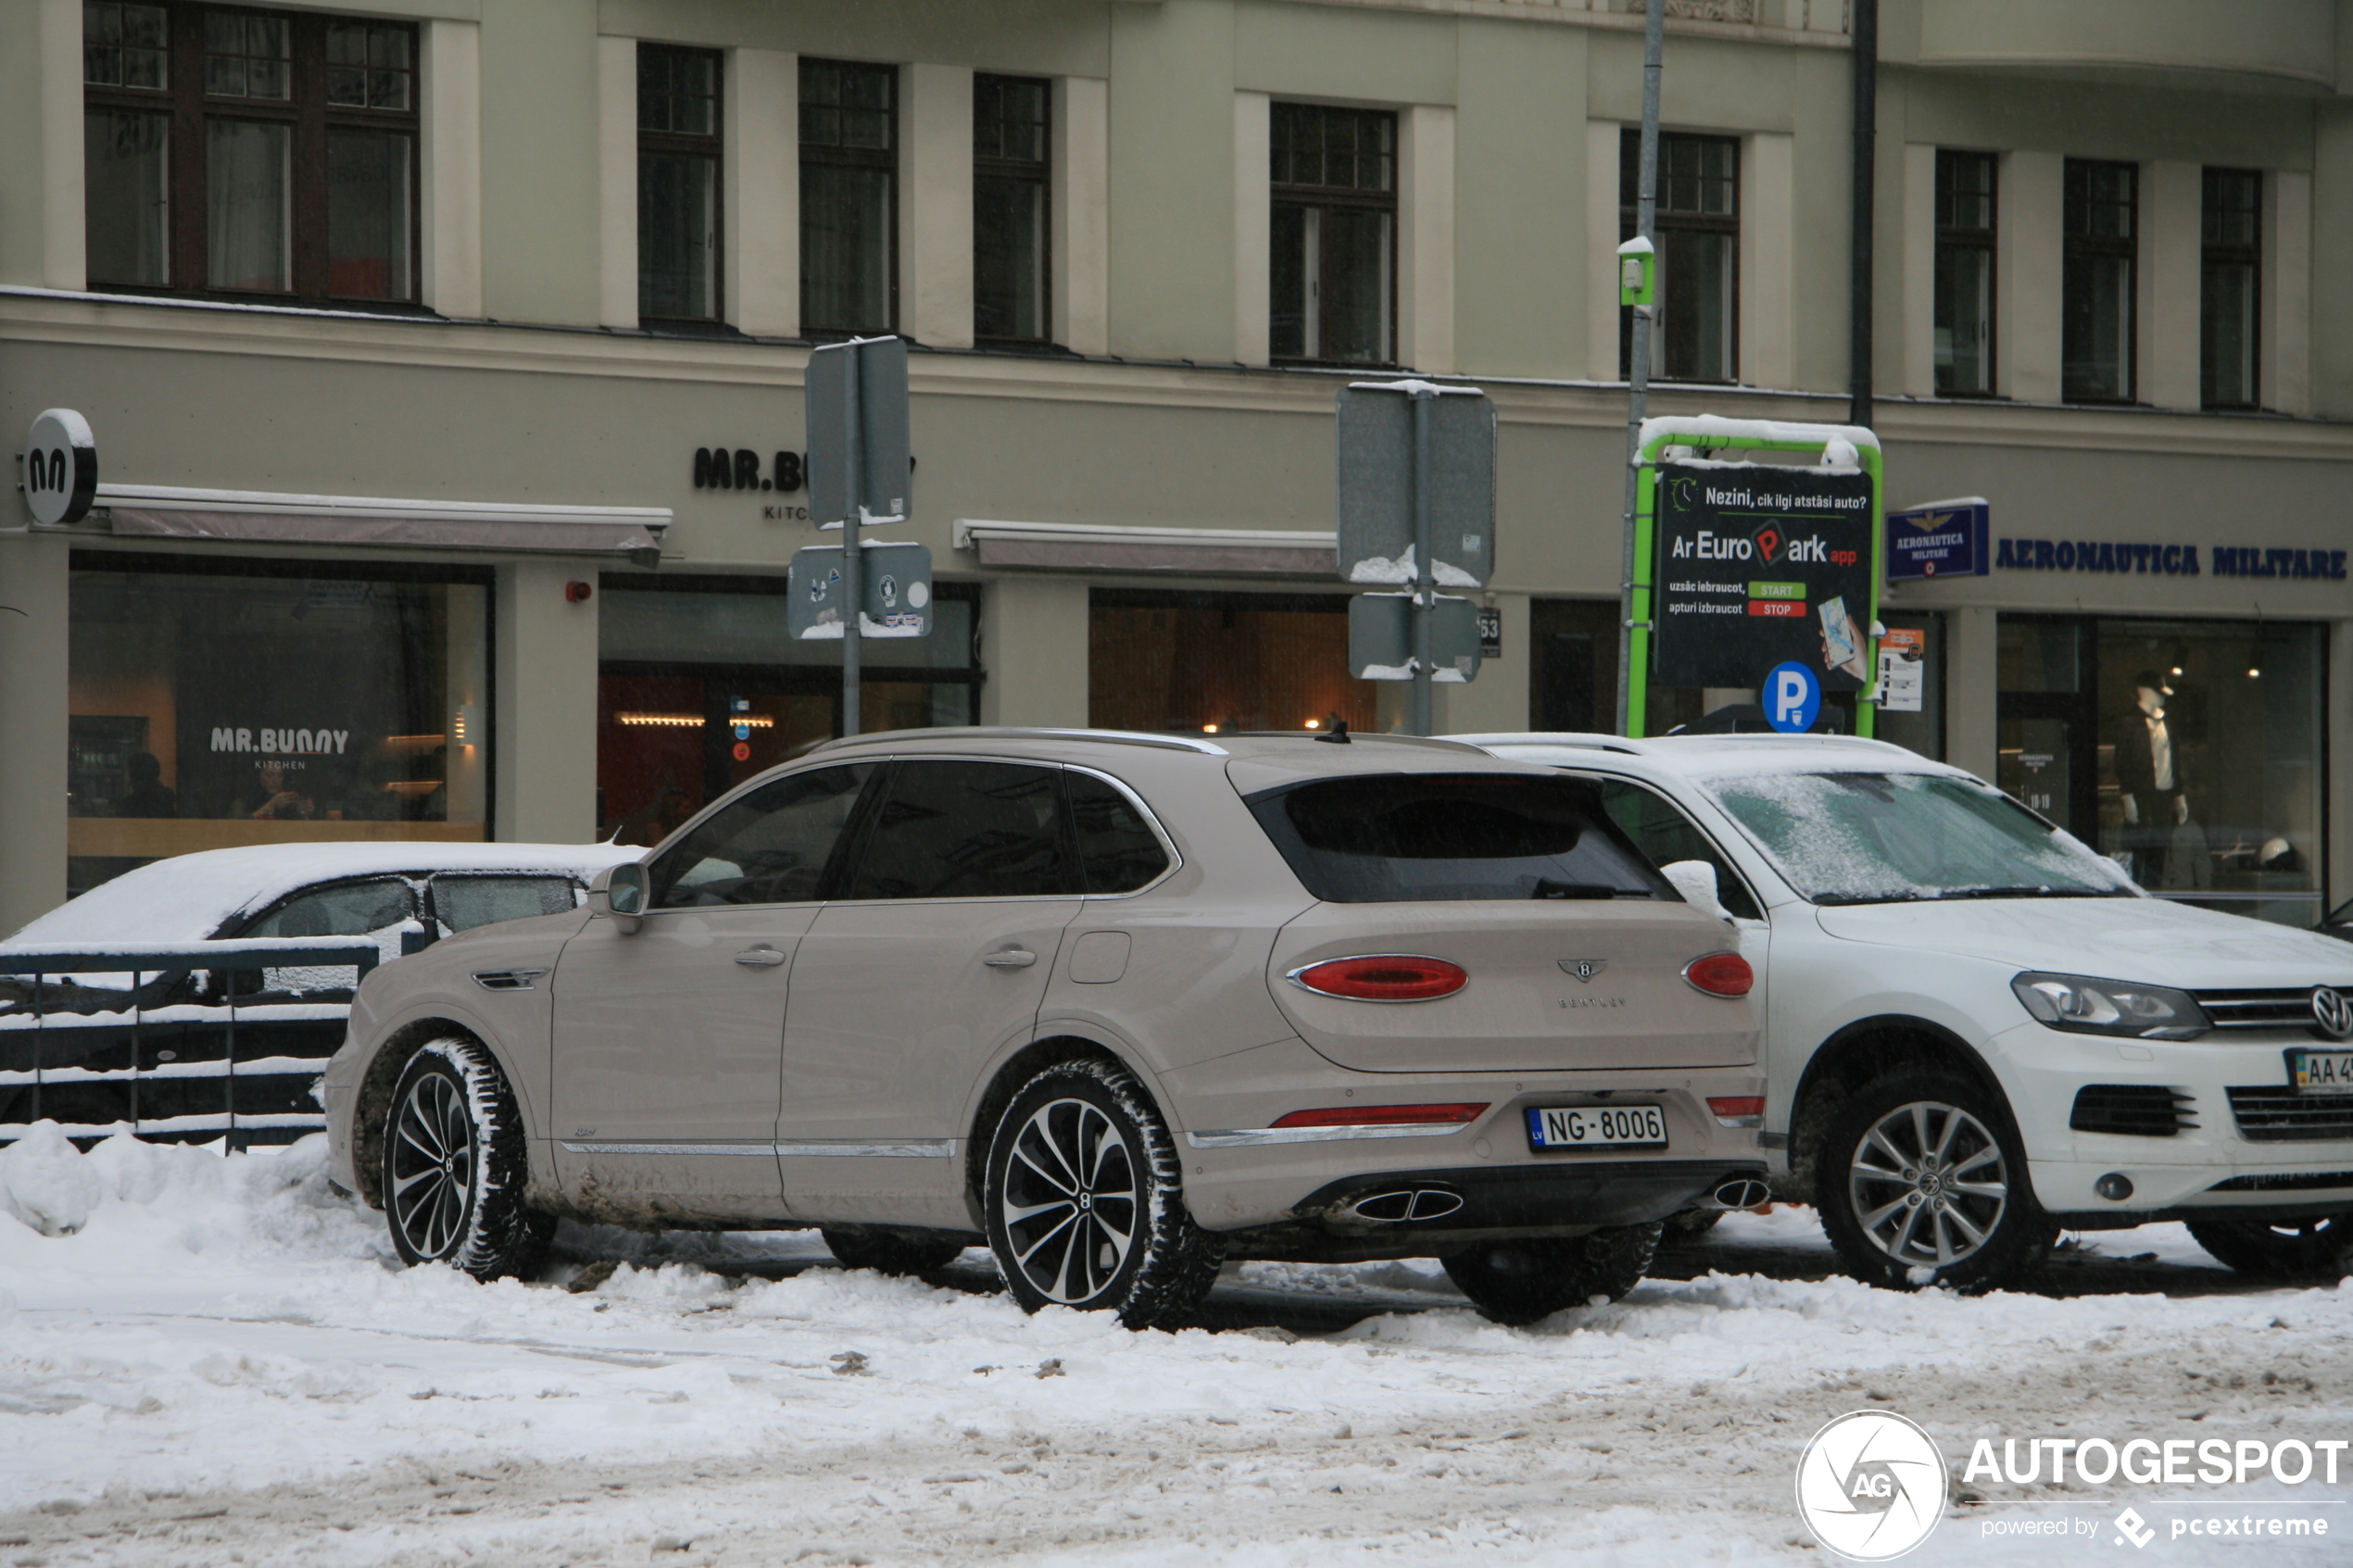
[1375, 425]
[1761, 566]
[896, 587]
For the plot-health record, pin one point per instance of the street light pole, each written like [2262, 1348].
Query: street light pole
[1639, 369]
[1425, 574]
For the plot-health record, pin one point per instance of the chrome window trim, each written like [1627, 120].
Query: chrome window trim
[1151, 821]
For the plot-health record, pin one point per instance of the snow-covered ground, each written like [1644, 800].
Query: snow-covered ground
[215, 1361]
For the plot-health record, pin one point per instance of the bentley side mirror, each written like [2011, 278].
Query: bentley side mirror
[620, 892]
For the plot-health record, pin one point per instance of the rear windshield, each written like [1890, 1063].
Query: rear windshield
[1399, 837]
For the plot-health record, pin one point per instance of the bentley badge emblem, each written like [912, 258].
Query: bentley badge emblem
[2331, 1010]
[1585, 969]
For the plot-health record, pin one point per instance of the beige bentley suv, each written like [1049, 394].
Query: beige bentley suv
[1119, 1006]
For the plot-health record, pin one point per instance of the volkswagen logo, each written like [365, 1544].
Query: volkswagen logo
[2332, 1013]
[1585, 969]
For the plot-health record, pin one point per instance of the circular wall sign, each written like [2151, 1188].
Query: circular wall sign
[60, 467]
[1793, 695]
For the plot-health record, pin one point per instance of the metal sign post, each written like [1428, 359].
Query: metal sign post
[1638, 290]
[1417, 511]
[859, 469]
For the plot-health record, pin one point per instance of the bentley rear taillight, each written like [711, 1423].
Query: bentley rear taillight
[1720, 974]
[1387, 977]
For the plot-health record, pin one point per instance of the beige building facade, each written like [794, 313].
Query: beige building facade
[407, 334]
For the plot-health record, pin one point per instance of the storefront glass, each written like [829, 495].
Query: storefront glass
[264, 703]
[1210, 663]
[2189, 750]
[699, 689]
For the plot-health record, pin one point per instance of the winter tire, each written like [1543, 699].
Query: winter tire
[2317, 1249]
[455, 1166]
[1921, 1179]
[1085, 1200]
[893, 1252]
[1523, 1282]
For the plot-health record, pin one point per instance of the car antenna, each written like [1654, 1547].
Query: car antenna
[1338, 733]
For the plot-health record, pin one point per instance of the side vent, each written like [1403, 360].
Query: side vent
[2143, 1110]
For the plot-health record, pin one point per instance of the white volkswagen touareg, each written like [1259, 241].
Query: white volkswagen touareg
[1979, 1031]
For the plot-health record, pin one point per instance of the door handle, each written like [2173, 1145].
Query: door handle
[759, 957]
[1011, 957]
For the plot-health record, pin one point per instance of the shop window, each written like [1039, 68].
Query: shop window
[698, 690]
[1011, 127]
[1922, 730]
[677, 183]
[1216, 663]
[2098, 303]
[2229, 302]
[1333, 265]
[1697, 229]
[256, 155]
[2194, 751]
[849, 197]
[261, 703]
[1964, 305]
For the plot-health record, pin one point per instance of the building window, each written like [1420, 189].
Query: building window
[849, 197]
[677, 183]
[1333, 273]
[230, 152]
[1010, 194]
[1964, 274]
[238, 701]
[2228, 305]
[2098, 308]
[1222, 662]
[1697, 333]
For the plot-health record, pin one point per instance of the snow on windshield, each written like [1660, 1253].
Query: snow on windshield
[1865, 837]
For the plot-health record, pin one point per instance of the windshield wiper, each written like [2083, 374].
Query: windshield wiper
[1839, 898]
[1547, 888]
[2032, 892]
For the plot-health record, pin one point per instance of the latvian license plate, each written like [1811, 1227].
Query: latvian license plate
[2326, 1073]
[1596, 1126]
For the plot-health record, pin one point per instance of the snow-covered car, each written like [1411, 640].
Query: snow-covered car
[1980, 1032]
[1119, 1006]
[152, 1047]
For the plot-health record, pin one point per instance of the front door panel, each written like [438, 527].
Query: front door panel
[665, 1061]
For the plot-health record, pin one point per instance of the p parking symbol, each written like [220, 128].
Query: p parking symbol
[1792, 698]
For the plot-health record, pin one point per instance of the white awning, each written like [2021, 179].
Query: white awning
[1089, 546]
[156, 511]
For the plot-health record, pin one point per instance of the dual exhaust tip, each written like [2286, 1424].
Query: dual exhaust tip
[1409, 1205]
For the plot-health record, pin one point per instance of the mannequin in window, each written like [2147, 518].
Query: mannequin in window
[2150, 774]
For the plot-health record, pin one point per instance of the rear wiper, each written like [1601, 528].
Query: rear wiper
[1547, 888]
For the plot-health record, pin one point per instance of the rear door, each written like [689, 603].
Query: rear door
[934, 957]
[1574, 944]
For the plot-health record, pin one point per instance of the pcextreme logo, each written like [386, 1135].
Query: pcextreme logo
[1871, 1485]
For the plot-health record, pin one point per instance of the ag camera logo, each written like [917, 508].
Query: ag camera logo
[1871, 1485]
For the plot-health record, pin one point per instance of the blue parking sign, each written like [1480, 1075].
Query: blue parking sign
[1793, 697]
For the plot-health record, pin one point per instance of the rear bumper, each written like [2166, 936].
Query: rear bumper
[1613, 1192]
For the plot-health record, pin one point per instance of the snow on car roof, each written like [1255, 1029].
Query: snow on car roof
[1715, 756]
[188, 897]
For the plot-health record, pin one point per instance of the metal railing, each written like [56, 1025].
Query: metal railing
[226, 958]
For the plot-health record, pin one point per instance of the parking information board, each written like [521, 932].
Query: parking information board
[1759, 566]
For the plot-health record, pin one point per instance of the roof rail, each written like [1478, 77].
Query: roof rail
[1010, 732]
[1585, 740]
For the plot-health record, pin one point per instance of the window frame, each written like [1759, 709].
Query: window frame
[189, 109]
[1176, 856]
[1039, 172]
[864, 828]
[687, 144]
[1952, 237]
[884, 160]
[2083, 247]
[1664, 222]
[1326, 197]
[2213, 254]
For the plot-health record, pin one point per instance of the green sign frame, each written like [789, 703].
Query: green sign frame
[1700, 434]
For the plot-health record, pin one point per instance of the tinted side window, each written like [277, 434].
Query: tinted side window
[770, 847]
[965, 830]
[345, 908]
[1397, 837]
[462, 903]
[1118, 852]
[1660, 830]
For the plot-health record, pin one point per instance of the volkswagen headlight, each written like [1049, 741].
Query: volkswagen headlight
[2111, 1006]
